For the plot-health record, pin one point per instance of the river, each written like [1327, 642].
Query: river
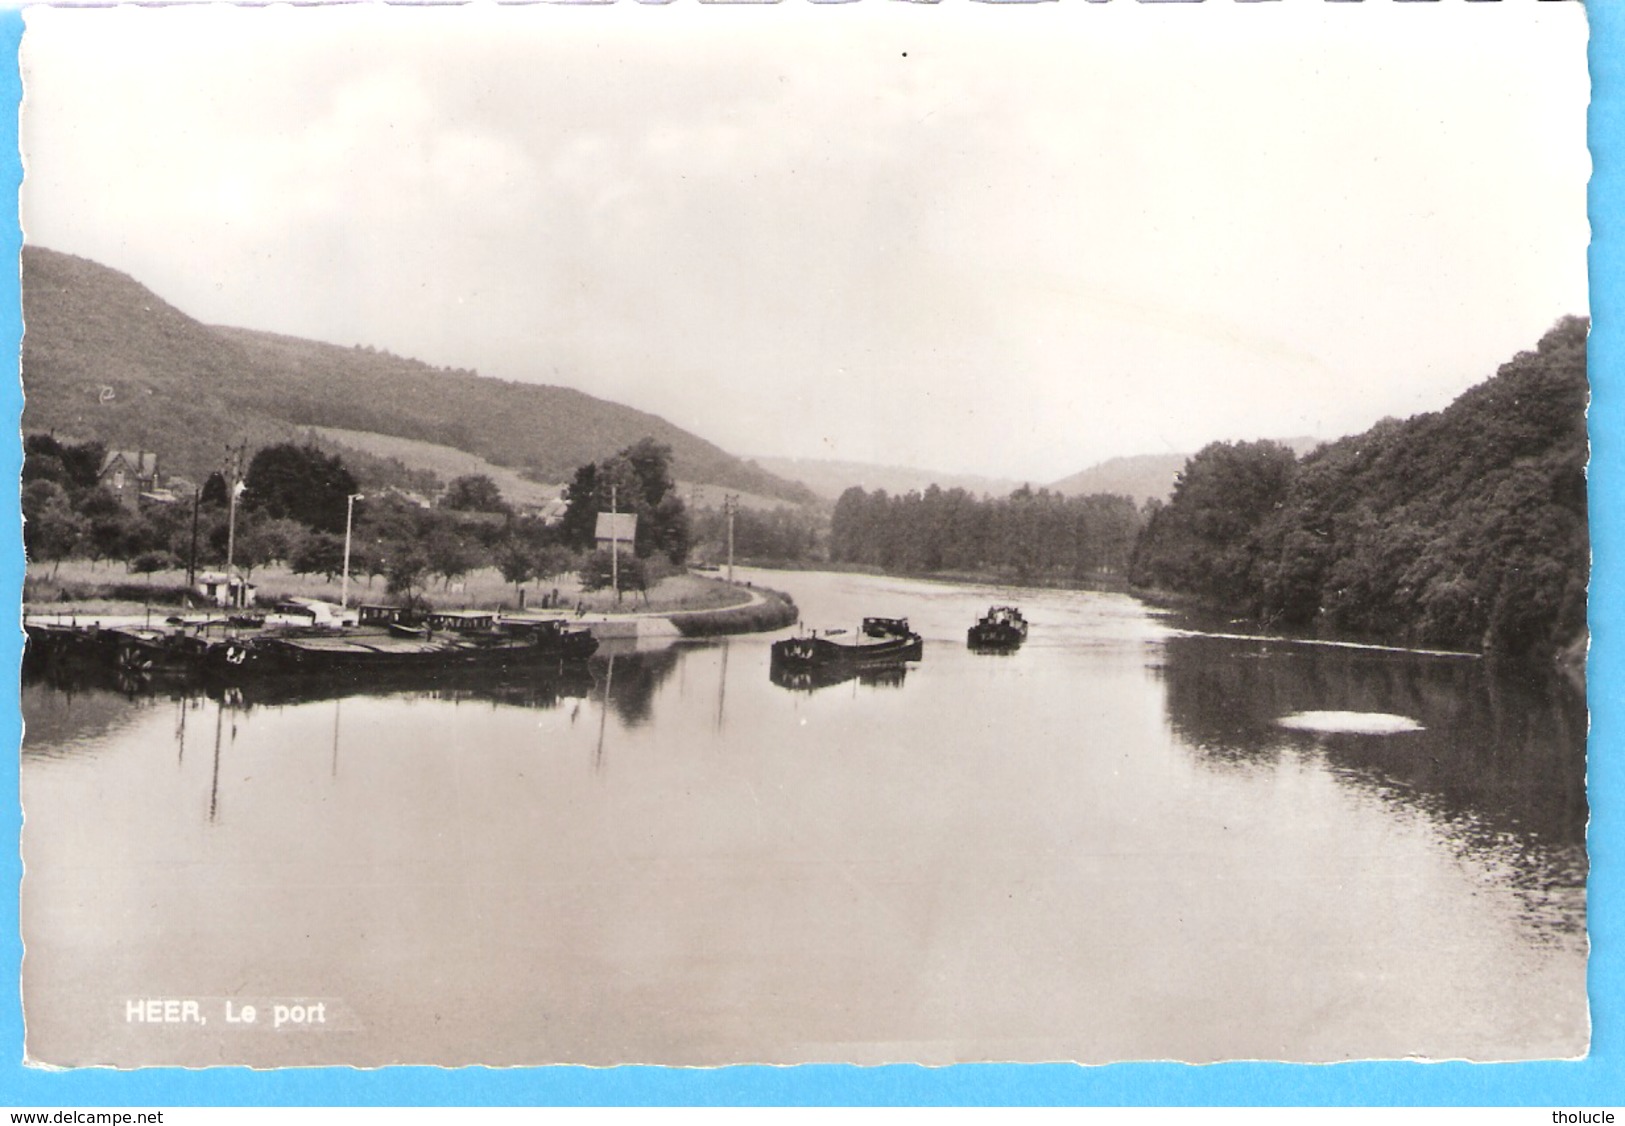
[1105, 846]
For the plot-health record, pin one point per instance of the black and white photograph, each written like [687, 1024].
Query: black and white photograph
[804, 533]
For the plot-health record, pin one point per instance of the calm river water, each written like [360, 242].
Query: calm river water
[1102, 847]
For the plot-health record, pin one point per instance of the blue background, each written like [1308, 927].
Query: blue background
[1597, 1080]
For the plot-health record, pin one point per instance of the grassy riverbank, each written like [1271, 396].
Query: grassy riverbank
[1204, 613]
[84, 588]
[775, 610]
[1101, 581]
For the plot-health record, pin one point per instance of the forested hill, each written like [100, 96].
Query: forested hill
[830, 478]
[1464, 528]
[105, 359]
[1143, 476]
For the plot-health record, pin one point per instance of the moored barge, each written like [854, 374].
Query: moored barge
[497, 645]
[239, 648]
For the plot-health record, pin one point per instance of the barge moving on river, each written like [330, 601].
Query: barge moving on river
[1002, 627]
[880, 641]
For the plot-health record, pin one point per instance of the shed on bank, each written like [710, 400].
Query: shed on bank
[616, 528]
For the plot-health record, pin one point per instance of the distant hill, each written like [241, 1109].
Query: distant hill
[444, 462]
[104, 358]
[447, 463]
[1144, 476]
[829, 478]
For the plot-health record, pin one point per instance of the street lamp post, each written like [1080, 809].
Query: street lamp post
[234, 489]
[730, 505]
[349, 519]
[232, 588]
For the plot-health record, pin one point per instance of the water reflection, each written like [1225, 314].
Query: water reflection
[1509, 747]
[1499, 764]
[810, 680]
[77, 682]
[64, 715]
[636, 678]
[1086, 850]
[214, 780]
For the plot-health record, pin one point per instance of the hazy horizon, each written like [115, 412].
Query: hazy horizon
[1009, 244]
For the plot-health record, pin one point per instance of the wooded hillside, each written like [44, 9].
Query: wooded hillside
[105, 359]
[1464, 528]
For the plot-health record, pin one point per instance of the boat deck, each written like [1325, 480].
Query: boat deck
[382, 643]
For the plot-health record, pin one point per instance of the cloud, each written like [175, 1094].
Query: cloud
[869, 234]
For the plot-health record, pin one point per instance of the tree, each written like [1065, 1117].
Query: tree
[251, 548]
[300, 483]
[637, 480]
[42, 460]
[651, 462]
[474, 492]
[319, 553]
[599, 571]
[150, 562]
[215, 492]
[406, 568]
[555, 559]
[51, 528]
[669, 533]
[74, 467]
[448, 554]
[580, 522]
[1206, 539]
[517, 562]
[266, 541]
[848, 540]
[619, 488]
[107, 524]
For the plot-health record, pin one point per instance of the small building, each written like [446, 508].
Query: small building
[550, 512]
[461, 620]
[407, 496]
[215, 587]
[616, 528]
[127, 474]
[311, 613]
[373, 614]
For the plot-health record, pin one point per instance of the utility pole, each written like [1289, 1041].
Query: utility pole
[730, 505]
[191, 558]
[614, 547]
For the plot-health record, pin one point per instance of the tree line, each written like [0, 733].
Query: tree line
[1028, 536]
[1464, 528]
[294, 502]
[780, 536]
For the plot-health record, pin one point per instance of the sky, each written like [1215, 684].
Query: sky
[1012, 241]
